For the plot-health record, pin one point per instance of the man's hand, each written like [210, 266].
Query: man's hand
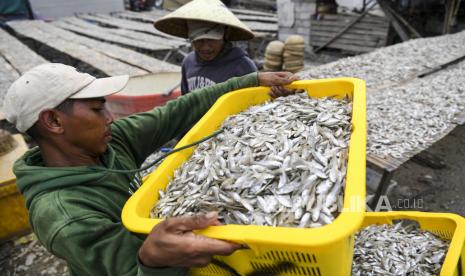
[276, 78]
[172, 243]
[279, 91]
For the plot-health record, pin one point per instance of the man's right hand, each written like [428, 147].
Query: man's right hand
[172, 243]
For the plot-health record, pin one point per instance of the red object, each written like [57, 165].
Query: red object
[125, 105]
[144, 92]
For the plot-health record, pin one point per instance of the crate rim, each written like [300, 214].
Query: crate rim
[326, 235]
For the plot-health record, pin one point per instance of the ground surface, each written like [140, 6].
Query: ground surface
[434, 190]
[26, 256]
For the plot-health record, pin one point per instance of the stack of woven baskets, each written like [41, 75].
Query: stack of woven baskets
[294, 53]
[274, 56]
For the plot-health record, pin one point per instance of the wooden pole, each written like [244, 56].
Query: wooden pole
[449, 12]
[395, 24]
[403, 21]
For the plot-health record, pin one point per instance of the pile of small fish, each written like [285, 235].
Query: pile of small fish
[397, 250]
[395, 63]
[404, 119]
[406, 114]
[282, 163]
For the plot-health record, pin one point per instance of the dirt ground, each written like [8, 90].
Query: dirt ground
[26, 256]
[423, 188]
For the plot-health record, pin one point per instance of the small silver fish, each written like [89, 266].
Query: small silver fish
[278, 163]
[397, 250]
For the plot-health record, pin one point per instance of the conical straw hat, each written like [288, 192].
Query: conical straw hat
[275, 46]
[271, 68]
[295, 39]
[273, 57]
[288, 53]
[175, 23]
[295, 47]
[294, 63]
[293, 69]
[271, 63]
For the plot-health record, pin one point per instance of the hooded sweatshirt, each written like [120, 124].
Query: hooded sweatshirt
[231, 62]
[76, 211]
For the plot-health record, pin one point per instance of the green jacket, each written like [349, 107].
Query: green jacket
[76, 211]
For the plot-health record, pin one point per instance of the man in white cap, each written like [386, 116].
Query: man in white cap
[74, 202]
[210, 26]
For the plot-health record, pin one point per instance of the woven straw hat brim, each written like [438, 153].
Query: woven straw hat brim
[293, 53]
[275, 46]
[297, 44]
[293, 56]
[293, 59]
[293, 69]
[295, 47]
[270, 63]
[273, 57]
[279, 66]
[273, 53]
[292, 64]
[295, 39]
[266, 68]
[273, 60]
[175, 23]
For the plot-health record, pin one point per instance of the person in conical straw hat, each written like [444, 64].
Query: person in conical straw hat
[210, 26]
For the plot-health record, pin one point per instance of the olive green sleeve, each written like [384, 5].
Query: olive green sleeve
[94, 245]
[141, 134]
[168, 271]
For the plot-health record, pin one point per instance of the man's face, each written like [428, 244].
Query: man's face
[208, 49]
[88, 126]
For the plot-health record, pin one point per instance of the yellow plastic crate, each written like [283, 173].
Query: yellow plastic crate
[327, 250]
[14, 219]
[447, 226]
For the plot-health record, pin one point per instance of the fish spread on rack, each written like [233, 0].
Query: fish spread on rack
[405, 113]
[281, 163]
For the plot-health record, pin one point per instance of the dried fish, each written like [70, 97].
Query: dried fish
[282, 163]
[395, 63]
[406, 114]
[403, 120]
[397, 250]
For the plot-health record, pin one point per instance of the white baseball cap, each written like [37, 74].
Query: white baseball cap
[205, 30]
[48, 85]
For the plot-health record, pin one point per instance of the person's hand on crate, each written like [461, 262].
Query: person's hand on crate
[173, 243]
[276, 80]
